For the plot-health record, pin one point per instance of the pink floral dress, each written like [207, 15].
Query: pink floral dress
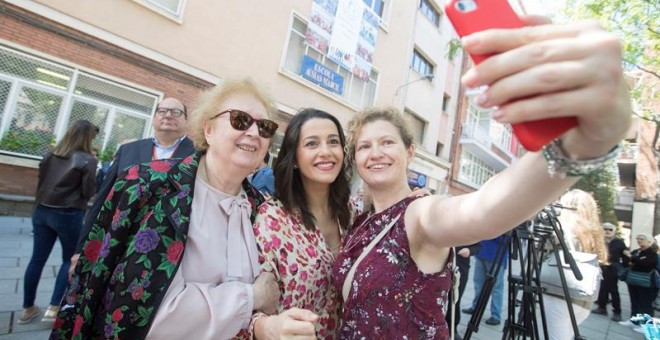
[390, 297]
[301, 261]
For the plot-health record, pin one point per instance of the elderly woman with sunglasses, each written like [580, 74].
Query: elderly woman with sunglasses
[172, 253]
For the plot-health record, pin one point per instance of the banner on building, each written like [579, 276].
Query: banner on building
[345, 31]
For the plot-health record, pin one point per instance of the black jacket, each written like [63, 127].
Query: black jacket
[615, 250]
[66, 182]
[134, 153]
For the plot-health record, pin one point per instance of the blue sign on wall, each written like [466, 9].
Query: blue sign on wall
[416, 179]
[321, 75]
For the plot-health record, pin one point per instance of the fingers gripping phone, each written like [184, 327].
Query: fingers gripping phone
[470, 16]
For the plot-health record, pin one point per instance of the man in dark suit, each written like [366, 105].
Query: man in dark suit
[170, 124]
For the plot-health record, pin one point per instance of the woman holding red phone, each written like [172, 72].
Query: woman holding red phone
[394, 269]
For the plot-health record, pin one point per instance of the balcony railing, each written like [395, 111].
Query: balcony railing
[629, 153]
[624, 198]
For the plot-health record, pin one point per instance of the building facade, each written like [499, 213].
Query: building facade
[111, 62]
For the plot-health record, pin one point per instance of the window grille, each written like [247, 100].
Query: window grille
[40, 100]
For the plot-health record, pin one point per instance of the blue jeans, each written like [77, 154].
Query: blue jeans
[481, 268]
[48, 225]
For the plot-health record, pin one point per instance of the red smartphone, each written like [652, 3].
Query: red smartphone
[470, 16]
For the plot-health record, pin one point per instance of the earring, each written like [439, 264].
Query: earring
[295, 166]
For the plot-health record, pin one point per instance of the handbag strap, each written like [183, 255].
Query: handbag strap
[348, 282]
[455, 279]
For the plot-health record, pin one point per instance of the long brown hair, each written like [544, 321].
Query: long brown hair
[583, 223]
[288, 180]
[79, 137]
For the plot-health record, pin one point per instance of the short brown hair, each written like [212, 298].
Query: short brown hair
[210, 100]
[388, 114]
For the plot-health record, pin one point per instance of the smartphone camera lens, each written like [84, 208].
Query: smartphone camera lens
[466, 6]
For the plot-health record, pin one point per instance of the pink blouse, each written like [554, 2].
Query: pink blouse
[211, 295]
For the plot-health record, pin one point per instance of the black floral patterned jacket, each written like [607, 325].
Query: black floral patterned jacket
[132, 252]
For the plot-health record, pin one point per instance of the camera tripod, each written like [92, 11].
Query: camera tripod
[529, 248]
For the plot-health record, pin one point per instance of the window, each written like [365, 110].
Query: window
[173, 8]
[418, 126]
[474, 171]
[501, 134]
[39, 100]
[378, 6]
[430, 12]
[421, 64]
[438, 149]
[446, 99]
[356, 91]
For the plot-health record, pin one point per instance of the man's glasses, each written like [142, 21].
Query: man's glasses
[242, 121]
[608, 229]
[162, 111]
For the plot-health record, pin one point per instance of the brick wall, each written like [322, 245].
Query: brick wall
[18, 180]
[32, 31]
[38, 33]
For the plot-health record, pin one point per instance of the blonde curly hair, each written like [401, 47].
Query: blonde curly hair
[583, 223]
[210, 100]
[388, 114]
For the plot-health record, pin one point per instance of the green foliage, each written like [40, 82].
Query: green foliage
[602, 184]
[453, 46]
[36, 143]
[636, 22]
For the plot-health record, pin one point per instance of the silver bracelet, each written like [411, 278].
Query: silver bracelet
[560, 164]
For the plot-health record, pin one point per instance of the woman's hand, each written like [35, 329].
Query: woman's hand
[266, 293]
[294, 323]
[548, 71]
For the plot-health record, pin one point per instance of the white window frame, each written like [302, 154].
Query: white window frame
[68, 97]
[430, 12]
[349, 79]
[473, 171]
[158, 8]
[424, 61]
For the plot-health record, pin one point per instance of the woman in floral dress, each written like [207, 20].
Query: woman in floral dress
[399, 290]
[299, 232]
[172, 254]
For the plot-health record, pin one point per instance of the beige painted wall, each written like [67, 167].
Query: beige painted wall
[236, 38]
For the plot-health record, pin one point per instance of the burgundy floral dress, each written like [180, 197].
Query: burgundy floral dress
[390, 297]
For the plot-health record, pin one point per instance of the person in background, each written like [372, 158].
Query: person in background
[643, 259]
[299, 232]
[263, 179]
[463, 263]
[66, 184]
[609, 285]
[170, 124]
[483, 262]
[172, 254]
[582, 232]
[400, 287]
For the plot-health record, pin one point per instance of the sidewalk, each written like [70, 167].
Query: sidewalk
[16, 249]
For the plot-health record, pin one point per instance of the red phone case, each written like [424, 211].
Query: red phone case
[533, 135]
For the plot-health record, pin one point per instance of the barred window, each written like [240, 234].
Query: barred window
[474, 171]
[40, 100]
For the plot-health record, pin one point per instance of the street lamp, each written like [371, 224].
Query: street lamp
[429, 77]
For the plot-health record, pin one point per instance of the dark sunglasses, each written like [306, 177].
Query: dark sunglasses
[608, 229]
[242, 121]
